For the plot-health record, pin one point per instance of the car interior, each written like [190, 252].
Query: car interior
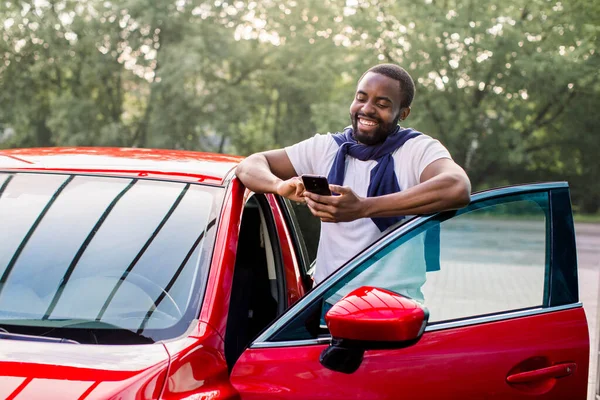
[258, 291]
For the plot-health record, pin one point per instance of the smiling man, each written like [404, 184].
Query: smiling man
[379, 171]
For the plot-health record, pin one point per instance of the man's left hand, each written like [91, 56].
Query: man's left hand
[348, 206]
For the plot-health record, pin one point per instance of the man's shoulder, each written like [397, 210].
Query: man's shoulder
[320, 143]
[308, 155]
[421, 149]
[329, 136]
[422, 136]
[321, 137]
[419, 142]
[316, 141]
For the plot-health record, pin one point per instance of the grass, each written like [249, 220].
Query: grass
[589, 218]
[577, 217]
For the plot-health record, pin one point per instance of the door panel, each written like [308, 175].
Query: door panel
[462, 363]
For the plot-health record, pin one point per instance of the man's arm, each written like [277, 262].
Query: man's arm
[271, 172]
[444, 186]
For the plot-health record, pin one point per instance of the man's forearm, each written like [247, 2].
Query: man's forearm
[256, 175]
[447, 191]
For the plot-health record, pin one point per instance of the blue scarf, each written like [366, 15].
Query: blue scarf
[383, 178]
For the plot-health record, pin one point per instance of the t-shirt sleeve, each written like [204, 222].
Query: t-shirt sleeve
[307, 156]
[424, 151]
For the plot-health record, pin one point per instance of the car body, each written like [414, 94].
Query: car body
[154, 274]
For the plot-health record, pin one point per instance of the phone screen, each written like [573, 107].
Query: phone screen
[316, 184]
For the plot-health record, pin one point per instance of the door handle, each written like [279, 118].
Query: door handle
[555, 371]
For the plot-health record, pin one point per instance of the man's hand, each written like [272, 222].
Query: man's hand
[348, 206]
[292, 189]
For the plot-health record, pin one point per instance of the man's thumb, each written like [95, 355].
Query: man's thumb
[339, 189]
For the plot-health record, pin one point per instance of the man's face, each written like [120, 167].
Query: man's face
[376, 108]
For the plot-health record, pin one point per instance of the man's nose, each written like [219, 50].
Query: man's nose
[368, 108]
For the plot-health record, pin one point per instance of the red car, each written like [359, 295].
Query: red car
[144, 274]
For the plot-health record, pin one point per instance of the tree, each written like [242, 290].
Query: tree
[510, 88]
[494, 83]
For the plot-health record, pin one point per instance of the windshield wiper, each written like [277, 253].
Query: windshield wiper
[79, 331]
[4, 334]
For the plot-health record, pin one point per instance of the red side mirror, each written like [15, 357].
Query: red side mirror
[370, 318]
[376, 315]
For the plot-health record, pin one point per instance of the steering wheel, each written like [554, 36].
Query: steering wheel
[148, 286]
[144, 283]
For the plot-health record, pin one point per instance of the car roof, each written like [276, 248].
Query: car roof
[181, 165]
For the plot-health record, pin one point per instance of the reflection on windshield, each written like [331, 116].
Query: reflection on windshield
[119, 252]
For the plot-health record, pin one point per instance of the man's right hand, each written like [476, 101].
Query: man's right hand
[271, 172]
[292, 189]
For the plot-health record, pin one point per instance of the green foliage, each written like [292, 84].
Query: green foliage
[586, 218]
[511, 88]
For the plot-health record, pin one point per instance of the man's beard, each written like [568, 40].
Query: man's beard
[380, 134]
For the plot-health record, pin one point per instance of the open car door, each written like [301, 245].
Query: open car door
[487, 309]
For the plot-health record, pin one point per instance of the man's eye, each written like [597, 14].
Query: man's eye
[382, 105]
[361, 98]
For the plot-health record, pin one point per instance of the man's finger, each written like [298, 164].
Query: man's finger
[340, 189]
[324, 200]
[317, 205]
[314, 197]
[318, 210]
[313, 205]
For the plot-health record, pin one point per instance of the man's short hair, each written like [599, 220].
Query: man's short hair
[407, 86]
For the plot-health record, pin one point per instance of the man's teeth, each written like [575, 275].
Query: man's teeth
[369, 123]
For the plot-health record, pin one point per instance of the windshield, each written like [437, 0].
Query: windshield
[103, 259]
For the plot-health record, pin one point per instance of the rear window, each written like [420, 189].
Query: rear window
[103, 259]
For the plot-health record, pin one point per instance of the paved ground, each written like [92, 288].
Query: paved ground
[588, 254]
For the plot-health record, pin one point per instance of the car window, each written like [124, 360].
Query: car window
[309, 228]
[491, 259]
[103, 253]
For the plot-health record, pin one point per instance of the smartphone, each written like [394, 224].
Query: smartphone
[316, 184]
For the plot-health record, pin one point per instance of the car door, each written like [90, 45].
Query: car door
[498, 280]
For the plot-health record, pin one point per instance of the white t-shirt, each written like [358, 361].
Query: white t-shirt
[340, 241]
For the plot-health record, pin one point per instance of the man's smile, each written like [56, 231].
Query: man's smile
[366, 123]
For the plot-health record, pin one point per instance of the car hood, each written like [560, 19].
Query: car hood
[38, 370]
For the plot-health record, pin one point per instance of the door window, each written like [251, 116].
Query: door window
[490, 259]
[304, 231]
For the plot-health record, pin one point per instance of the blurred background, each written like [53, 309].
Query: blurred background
[511, 88]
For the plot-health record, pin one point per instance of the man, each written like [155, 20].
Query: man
[379, 171]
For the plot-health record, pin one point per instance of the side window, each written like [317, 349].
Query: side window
[491, 258]
[310, 226]
[306, 228]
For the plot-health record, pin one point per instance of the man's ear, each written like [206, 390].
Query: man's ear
[404, 113]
